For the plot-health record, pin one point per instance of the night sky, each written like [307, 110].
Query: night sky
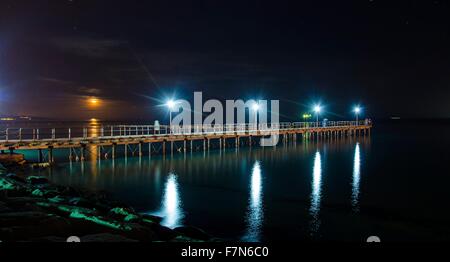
[56, 56]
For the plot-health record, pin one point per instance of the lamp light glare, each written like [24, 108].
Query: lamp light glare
[170, 104]
[317, 109]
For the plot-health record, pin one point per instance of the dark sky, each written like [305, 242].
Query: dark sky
[392, 57]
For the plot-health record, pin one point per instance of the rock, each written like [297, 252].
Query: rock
[16, 178]
[125, 214]
[50, 225]
[184, 239]
[40, 165]
[37, 180]
[151, 218]
[10, 160]
[18, 203]
[50, 193]
[67, 191]
[56, 225]
[106, 237]
[193, 232]
[7, 184]
[49, 239]
[163, 233]
[56, 199]
[37, 192]
[3, 169]
[4, 208]
[141, 233]
[22, 218]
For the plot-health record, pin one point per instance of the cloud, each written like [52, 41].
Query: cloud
[55, 81]
[89, 90]
[89, 47]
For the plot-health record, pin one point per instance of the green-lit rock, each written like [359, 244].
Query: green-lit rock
[6, 184]
[37, 180]
[193, 232]
[37, 192]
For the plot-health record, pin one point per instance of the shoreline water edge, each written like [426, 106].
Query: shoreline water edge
[32, 208]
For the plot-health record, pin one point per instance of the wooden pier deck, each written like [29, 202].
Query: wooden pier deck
[111, 136]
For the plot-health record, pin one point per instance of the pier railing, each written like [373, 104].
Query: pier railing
[15, 134]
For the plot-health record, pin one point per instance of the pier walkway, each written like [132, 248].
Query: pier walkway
[73, 138]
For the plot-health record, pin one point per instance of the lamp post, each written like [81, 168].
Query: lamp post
[357, 110]
[171, 105]
[317, 109]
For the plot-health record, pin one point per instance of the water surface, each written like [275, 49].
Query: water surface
[393, 184]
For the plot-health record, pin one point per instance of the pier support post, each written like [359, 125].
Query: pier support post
[204, 144]
[149, 148]
[113, 151]
[50, 154]
[40, 155]
[171, 147]
[164, 147]
[82, 152]
[140, 149]
[184, 145]
[192, 145]
[126, 150]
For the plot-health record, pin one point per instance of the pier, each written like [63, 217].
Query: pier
[166, 138]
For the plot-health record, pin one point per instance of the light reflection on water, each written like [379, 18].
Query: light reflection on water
[255, 215]
[316, 194]
[356, 178]
[218, 186]
[171, 209]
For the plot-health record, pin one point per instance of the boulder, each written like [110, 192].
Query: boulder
[3, 169]
[16, 178]
[10, 160]
[7, 184]
[139, 232]
[193, 232]
[151, 218]
[4, 208]
[162, 233]
[37, 180]
[22, 218]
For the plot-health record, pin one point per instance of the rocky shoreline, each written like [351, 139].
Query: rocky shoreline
[34, 209]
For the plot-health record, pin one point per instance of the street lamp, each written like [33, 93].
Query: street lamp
[171, 105]
[357, 110]
[317, 109]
